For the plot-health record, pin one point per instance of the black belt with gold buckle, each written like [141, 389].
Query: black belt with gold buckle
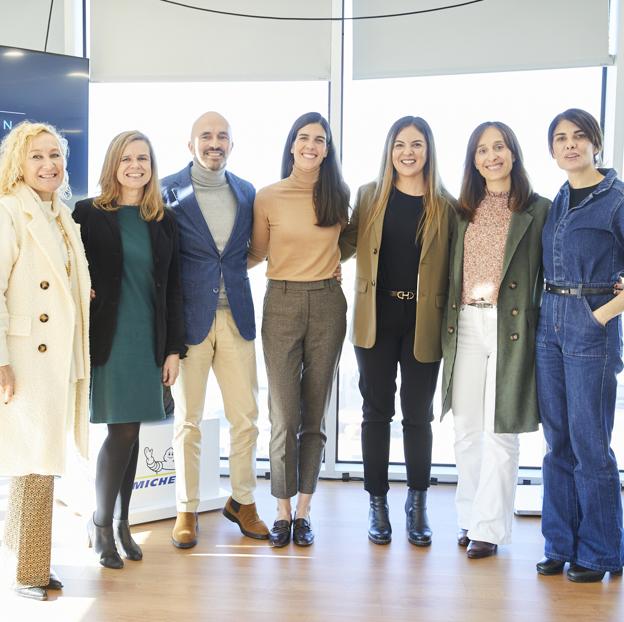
[401, 294]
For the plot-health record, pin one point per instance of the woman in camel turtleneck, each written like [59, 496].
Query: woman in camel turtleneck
[297, 222]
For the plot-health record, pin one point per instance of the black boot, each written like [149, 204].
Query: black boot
[103, 542]
[417, 523]
[125, 540]
[379, 528]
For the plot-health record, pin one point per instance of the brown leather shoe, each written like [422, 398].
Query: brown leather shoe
[478, 549]
[462, 537]
[184, 534]
[246, 517]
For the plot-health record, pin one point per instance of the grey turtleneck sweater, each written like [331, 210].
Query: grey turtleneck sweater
[218, 206]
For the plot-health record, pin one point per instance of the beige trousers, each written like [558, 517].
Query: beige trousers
[233, 360]
[28, 529]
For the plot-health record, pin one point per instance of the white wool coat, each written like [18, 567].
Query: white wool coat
[37, 325]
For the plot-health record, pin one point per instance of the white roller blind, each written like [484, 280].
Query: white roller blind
[152, 41]
[492, 35]
[23, 24]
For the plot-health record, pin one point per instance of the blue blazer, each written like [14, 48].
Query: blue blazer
[201, 264]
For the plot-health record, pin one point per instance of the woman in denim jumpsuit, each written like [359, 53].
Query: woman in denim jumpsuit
[578, 357]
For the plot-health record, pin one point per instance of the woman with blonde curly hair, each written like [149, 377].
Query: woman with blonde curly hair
[137, 331]
[44, 344]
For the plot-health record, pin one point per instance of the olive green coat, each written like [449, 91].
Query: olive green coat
[432, 278]
[518, 305]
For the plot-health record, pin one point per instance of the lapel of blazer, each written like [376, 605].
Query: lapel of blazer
[110, 218]
[79, 264]
[185, 194]
[155, 232]
[41, 232]
[520, 222]
[458, 259]
[376, 229]
[239, 199]
[428, 238]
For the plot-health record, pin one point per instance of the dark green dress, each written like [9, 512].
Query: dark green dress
[128, 387]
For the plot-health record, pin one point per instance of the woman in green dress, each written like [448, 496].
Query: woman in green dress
[136, 331]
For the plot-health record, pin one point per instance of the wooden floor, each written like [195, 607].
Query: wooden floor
[342, 577]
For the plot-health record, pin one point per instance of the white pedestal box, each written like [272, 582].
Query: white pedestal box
[529, 500]
[153, 497]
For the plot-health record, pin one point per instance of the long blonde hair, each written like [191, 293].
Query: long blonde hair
[151, 206]
[435, 195]
[13, 155]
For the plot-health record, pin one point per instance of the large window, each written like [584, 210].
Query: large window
[260, 113]
[454, 106]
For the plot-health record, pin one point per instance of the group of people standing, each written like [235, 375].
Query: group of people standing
[520, 299]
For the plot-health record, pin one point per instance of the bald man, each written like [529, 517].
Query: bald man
[213, 210]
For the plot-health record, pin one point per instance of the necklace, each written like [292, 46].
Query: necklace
[68, 264]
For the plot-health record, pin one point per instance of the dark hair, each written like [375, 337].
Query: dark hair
[585, 122]
[330, 194]
[473, 185]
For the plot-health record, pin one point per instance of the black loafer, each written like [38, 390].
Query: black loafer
[54, 583]
[549, 566]
[478, 549]
[279, 535]
[302, 532]
[580, 574]
[34, 593]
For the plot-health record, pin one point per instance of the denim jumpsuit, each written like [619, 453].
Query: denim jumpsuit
[577, 362]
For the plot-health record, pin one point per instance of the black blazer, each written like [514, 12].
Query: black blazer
[100, 234]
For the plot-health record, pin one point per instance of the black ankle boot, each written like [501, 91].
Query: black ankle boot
[103, 542]
[125, 540]
[379, 528]
[417, 523]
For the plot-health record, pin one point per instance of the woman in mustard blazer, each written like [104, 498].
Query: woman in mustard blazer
[400, 232]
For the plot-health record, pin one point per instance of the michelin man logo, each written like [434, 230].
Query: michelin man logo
[166, 464]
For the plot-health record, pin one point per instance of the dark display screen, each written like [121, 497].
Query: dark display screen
[49, 88]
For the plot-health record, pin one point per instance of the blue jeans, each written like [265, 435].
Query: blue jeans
[577, 361]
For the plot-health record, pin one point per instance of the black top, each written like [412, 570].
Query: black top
[578, 195]
[101, 237]
[399, 254]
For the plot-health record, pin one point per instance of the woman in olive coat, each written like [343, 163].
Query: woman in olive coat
[488, 337]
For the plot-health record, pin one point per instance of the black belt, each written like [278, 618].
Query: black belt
[577, 291]
[402, 294]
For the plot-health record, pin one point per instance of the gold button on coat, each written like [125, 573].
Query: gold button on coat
[513, 285]
[514, 336]
[44, 285]
[514, 312]
[42, 347]
[451, 330]
[43, 317]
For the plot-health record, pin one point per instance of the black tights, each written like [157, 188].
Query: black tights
[116, 468]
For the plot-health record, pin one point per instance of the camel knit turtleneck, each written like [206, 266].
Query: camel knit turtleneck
[285, 231]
